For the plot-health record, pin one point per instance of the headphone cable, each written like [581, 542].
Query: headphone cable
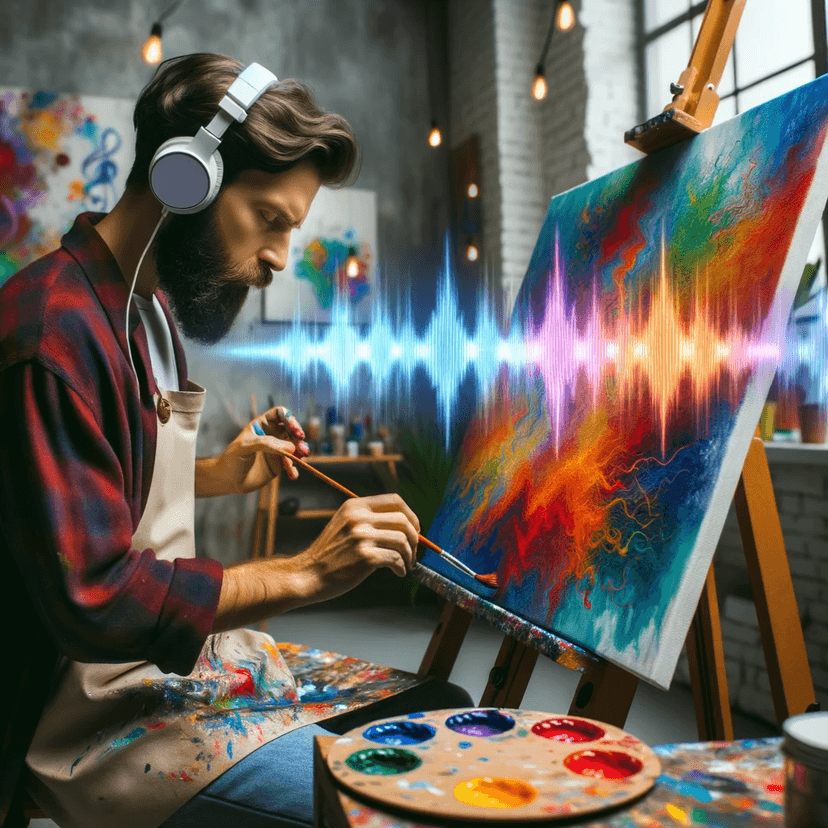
[164, 213]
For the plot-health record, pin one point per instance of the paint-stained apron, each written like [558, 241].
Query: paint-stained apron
[126, 745]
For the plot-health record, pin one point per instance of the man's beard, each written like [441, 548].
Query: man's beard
[206, 292]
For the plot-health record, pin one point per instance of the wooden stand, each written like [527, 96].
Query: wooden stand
[606, 691]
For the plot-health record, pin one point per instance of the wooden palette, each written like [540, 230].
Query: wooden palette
[493, 765]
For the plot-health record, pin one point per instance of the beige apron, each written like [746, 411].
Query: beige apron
[126, 745]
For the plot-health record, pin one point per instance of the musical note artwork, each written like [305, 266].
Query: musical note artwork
[596, 478]
[60, 155]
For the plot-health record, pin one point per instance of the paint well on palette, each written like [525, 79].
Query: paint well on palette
[383, 761]
[568, 730]
[488, 792]
[603, 764]
[400, 733]
[480, 723]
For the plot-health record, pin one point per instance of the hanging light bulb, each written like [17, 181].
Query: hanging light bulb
[352, 264]
[434, 137]
[472, 191]
[539, 84]
[151, 51]
[472, 253]
[565, 16]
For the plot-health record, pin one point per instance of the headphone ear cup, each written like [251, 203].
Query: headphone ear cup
[216, 172]
[181, 180]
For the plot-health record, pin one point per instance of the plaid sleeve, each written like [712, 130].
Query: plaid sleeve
[67, 520]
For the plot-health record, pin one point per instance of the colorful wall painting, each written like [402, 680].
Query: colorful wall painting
[595, 479]
[59, 156]
[315, 280]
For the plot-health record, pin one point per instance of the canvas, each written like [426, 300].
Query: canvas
[596, 476]
[60, 155]
[314, 281]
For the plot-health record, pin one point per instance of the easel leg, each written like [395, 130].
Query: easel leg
[705, 660]
[445, 643]
[510, 675]
[605, 692]
[773, 593]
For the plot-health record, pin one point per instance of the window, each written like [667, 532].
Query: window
[778, 47]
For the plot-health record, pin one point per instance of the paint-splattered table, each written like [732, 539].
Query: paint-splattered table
[725, 784]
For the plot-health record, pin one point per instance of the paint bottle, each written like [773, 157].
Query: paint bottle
[805, 748]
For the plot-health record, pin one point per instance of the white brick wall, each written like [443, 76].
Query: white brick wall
[474, 107]
[612, 83]
[534, 150]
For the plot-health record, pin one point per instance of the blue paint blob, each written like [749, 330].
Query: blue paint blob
[480, 723]
[416, 715]
[400, 733]
[464, 744]
[230, 749]
[698, 793]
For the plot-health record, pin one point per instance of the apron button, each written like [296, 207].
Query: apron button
[164, 410]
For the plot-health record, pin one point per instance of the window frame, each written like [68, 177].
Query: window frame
[819, 27]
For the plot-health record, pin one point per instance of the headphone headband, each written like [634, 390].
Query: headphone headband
[185, 172]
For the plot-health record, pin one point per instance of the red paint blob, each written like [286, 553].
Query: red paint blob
[603, 764]
[568, 730]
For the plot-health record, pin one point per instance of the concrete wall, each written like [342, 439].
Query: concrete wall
[366, 59]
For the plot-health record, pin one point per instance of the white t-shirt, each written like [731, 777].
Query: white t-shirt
[160, 343]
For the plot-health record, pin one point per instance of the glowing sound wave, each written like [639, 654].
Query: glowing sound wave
[656, 351]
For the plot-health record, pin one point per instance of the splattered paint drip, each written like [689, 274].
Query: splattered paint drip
[597, 483]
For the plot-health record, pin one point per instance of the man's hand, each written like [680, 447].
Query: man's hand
[366, 533]
[252, 459]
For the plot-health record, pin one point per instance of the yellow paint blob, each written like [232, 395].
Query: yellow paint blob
[486, 792]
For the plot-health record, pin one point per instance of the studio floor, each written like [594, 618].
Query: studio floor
[397, 636]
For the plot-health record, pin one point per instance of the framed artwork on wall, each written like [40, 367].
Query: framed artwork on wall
[332, 261]
[60, 155]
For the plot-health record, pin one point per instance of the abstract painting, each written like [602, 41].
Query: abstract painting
[59, 156]
[597, 473]
[340, 225]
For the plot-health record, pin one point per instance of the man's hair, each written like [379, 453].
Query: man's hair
[283, 128]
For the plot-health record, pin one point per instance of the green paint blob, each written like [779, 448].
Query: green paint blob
[383, 761]
[699, 816]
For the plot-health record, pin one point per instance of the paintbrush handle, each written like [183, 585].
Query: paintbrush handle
[339, 487]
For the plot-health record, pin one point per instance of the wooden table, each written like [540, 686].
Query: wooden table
[267, 512]
[701, 783]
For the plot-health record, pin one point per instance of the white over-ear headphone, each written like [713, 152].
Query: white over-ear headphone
[185, 172]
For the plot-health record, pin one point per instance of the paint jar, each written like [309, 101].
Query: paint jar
[805, 748]
[813, 422]
[336, 434]
[376, 448]
[352, 447]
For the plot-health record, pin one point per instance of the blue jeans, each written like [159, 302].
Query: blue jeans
[273, 786]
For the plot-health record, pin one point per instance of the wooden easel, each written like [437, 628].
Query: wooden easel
[605, 692]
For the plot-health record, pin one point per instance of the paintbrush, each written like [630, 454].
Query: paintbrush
[489, 580]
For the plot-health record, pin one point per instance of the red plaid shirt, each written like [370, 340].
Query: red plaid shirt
[78, 446]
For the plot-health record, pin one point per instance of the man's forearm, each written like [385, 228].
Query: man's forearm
[256, 590]
[210, 480]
